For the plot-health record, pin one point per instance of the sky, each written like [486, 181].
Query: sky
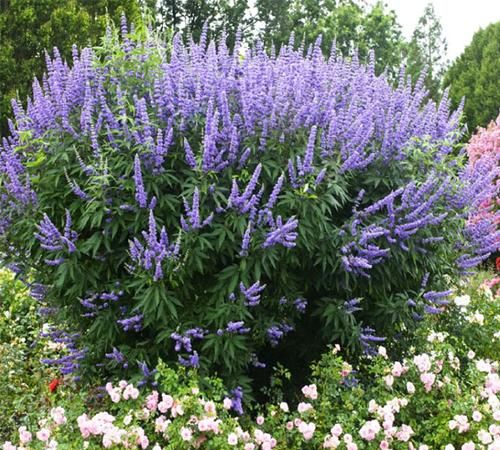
[460, 18]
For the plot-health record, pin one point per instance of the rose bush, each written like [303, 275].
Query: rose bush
[442, 394]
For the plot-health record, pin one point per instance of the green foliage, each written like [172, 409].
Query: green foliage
[475, 76]
[30, 27]
[190, 16]
[23, 379]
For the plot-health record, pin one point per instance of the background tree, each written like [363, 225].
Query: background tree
[427, 48]
[475, 74]
[189, 16]
[28, 27]
[351, 24]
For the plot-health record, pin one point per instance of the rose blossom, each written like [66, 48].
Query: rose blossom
[232, 439]
[369, 430]
[24, 435]
[310, 391]
[186, 434]
[303, 407]
[43, 434]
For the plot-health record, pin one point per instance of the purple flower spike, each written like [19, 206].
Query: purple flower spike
[140, 193]
[252, 293]
[282, 233]
[193, 221]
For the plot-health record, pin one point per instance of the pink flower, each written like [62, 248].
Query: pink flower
[352, 446]
[297, 421]
[369, 430]
[404, 434]
[468, 446]
[310, 391]
[461, 423]
[249, 446]
[9, 446]
[423, 362]
[130, 392]
[227, 403]
[152, 401]
[260, 420]
[303, 407]
[161, 424]
[397, 369]
[384, 445]
[410, 387]
[307, 430]
[186, 434]
[289, 425]
[389, 380]
[331, 442]
[209, 407]
[43, 434]
[143, 441]
[57, 415]
[177, 409]
[428, 379]
[24, 435]
[166, 403]
[484, 437]
[284, 406]
[477, 416]
[492, 384]
[336, 430]
[232, 439]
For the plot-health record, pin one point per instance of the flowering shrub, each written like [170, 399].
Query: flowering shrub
[191, 203]
[440, 395]
[485, 145]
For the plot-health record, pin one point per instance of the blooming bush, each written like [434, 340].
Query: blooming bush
[485, 145]
[195, 204]
[442, 394]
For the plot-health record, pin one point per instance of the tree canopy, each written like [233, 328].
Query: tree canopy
[475, 75]
[29, 27]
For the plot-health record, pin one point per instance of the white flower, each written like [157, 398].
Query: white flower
[477, 416]
[462, 300]
[284, 406]
[186, 434]
[389, 380]
[127, 419]
[476, 318]
[484, 437]
[232, 439]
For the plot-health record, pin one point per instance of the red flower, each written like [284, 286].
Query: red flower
[497, 262]
[53, 385]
